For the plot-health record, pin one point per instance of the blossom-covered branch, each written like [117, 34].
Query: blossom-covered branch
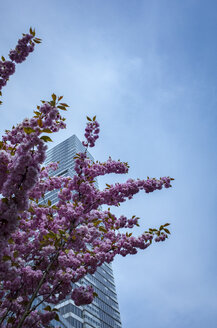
[22, 151]
[23, 48]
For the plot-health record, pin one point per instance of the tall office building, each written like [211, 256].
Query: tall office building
[104, 311]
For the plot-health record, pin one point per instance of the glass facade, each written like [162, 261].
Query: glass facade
[104, 311]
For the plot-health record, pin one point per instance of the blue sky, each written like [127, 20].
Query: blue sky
[148, 70]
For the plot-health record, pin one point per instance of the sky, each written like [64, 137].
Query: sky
[147, 70]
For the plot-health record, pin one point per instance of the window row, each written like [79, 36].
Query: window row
[70, 308]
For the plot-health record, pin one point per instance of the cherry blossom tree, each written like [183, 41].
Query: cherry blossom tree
[45, 248]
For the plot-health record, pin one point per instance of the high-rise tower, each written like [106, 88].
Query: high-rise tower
[104, 311]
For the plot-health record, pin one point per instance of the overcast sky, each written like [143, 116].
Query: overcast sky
[148, 70]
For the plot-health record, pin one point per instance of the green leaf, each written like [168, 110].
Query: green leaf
[47, 131]
[46, 138]
[28, 130]
[51, 236]
[166, 225]
[47, 308]
[36, 40]
[40, 122]
[54, 97]
[16, 254]
[36, 112]
[57, 317]
[31, 209]
[61, 97]
[89, 119]
[94, 118]
[63, 104]
[50, 217]
[167, 231]
[49, 202]
[102, 229]
[52, 233]
[96, 223]
[3, 58]
[52, 103]
[62, 107]
[6, 258]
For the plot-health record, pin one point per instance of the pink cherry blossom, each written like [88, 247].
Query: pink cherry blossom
[46, 247]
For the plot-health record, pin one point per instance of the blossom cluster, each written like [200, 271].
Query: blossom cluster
[91, 132]
[82, 295]
[7, 68]
[24, 47]
[22, 151]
